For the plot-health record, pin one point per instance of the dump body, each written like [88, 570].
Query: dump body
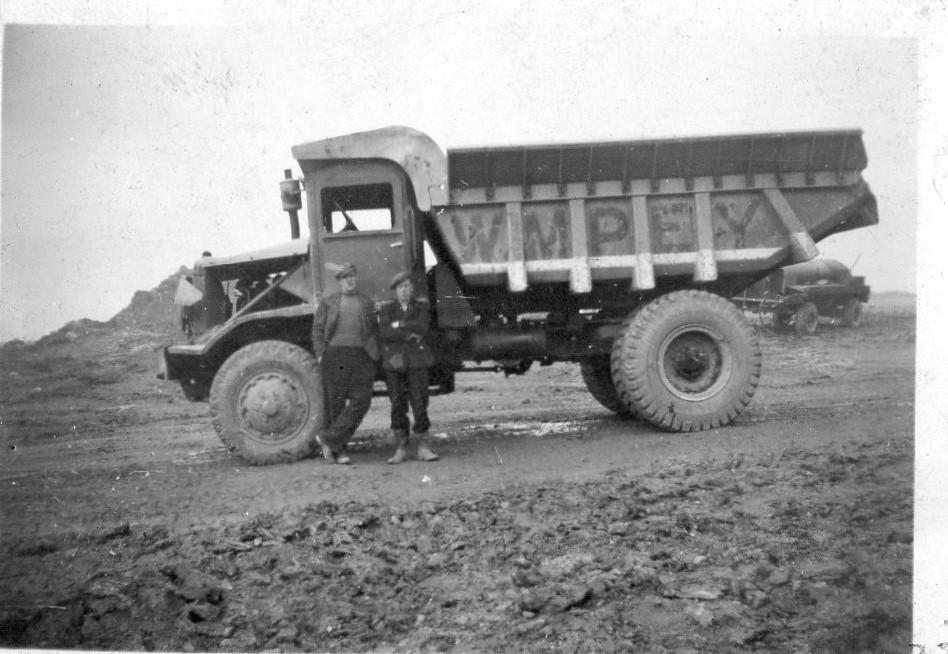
[648, 212]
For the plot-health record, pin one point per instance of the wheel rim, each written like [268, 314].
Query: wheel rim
[694, 363]
[809, 320]
[806, 319]
[272, 406]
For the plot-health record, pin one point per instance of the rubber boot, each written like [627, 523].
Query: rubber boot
[401, 453]
[424, 452]
[330, 456]
[326, 450]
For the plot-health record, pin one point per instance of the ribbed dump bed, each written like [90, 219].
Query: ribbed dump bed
[640, 209]
[655, 160]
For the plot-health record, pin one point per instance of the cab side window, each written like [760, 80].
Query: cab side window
[362, 208]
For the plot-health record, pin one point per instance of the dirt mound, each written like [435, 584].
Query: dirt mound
[149, 316]
[153, 310]
[87, 359]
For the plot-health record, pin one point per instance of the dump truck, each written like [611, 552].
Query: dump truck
[620, 256]
[798, 295]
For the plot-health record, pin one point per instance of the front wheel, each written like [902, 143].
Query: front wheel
[852, 313]
[687, 361]
[267, 402]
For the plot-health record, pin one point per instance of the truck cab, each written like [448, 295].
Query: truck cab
[360, 209]
[363, 212]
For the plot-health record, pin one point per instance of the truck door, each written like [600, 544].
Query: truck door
[362, 214]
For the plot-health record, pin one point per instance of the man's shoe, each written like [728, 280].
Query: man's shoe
[327, 451]
[401, 454]
[424, 452]
[401, 439]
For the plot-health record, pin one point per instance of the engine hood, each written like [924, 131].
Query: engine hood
[255, 262]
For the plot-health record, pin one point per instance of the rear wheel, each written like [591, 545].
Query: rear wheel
[686, 361]
[597, 374]
[806, 319]
[852, 313]
[267, 402]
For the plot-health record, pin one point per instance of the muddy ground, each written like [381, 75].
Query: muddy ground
[549, 524]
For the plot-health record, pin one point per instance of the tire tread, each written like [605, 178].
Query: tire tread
[630, 362]
[230, 372]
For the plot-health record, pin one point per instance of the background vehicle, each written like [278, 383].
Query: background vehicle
[620, 256]
[796, 296]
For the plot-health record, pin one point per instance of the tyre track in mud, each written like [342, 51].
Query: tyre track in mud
[179, 474]
[148, 457]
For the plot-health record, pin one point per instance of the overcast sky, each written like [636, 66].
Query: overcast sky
[129, 149]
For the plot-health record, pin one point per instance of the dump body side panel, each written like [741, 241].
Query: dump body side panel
[690, 209]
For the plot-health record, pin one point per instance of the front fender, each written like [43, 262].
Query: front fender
[199, 361]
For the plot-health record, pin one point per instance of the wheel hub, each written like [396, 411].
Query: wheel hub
[272, 406]
[693, 363]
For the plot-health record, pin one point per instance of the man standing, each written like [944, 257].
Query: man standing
[403, 325]
[344, 342]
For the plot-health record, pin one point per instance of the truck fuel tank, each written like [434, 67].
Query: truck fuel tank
[816, 271]
[497, 343]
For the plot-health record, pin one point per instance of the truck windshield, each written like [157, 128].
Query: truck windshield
[367, 207]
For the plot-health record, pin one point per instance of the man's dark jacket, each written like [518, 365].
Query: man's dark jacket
[327, 318]
[408, 338]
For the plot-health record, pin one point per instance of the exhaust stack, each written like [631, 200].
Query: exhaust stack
[292, 201]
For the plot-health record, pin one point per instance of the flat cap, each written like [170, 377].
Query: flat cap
[347, 269]
[399, 278]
